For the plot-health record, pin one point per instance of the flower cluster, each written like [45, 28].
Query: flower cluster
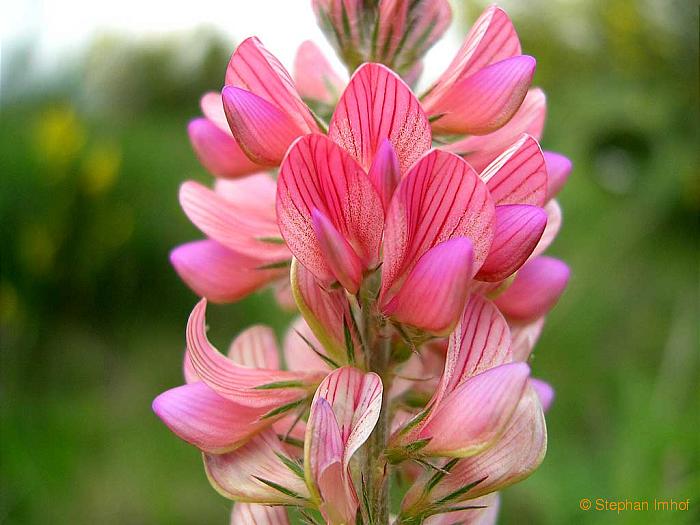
[408, 232]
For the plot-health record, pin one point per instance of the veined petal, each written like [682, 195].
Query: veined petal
[544, 391]
[236, 228]
[475, 413]
[491, 39]
[253, 68]
[219, 274]
[481, 150]
[519, 228]
[558, 170]
[218, 152]
[262, 130]
[524, 337]
[433, 295]
[554, 220]
[255, 347]
[536, 289]
[241, 384]
[314, 76]
[316, 173]
[385, 172]
[484, 513]
[200, 416]
[484, 101]
[441, 198]
[518, 175]
[237, 475]
[378, 105]
[341, 259]
[256, 514]
[297, 353]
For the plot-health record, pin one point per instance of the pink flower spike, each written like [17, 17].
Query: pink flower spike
[256, 514]
[518, 230]
[338, 254]
[263, 131]
[536, 289]
[484, 101]
[317, 173]
[219, 274]
[200, 416]
[218, 152]
[545, 392]
[433, 295]
[378, 105]
[558, 170]
[253, 68]
[385, 172]
[518, 175]
[314, 77]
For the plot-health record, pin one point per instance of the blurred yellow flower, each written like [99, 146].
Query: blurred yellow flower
[59, 136]
[100, 167]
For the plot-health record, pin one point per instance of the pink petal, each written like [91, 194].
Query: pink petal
[385, 172]
[433, 295]
[297, 353]
[314, 76]
[198, 415]
[234, 474]
[536, 289]
[255, 347]
[238, 383]
[234, 227]
[378, 105]
[519, 228]
[487, 515]
[524, 336]
[219, 274]
[441, 198]
[253, 195]
[544, 391]
[262, 130]
[481, 150]
[558, 170]
[554, 220]
[341, 259]
[472, 416]
[316, 173]
[518, 175]
[218, 152]
[255, 514]
[253, 68]
[484, 101]
[491, 39]
[213, 109]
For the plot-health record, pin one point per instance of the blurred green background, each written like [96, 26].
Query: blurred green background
[93, 316]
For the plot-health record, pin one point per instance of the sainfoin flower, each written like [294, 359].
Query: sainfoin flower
[409, 232]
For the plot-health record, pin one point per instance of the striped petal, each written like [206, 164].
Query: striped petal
[518, 230]
[378, 105]
[219, 274]
[518, 175]
[441, 198]
[253, 68]
[256, 514]
[433, 295]
[484, 101]
[238, 475]
[535, 290]
[243, 385]
[255, 347]
[316, 173]
[558, 170]
[314, 76]
[343, 262]
[217, 150]
[262, 130]
[200, 416]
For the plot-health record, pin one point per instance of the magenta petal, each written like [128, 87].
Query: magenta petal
[203, 418]
[558, 170]
[518, 230]
[218, 152]
[518, 175]
[378, 105]
[385, 172]
[536, 289]
[484, 101]
[217, 273]
[433, 295]
[337, 252]
[545, 392]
